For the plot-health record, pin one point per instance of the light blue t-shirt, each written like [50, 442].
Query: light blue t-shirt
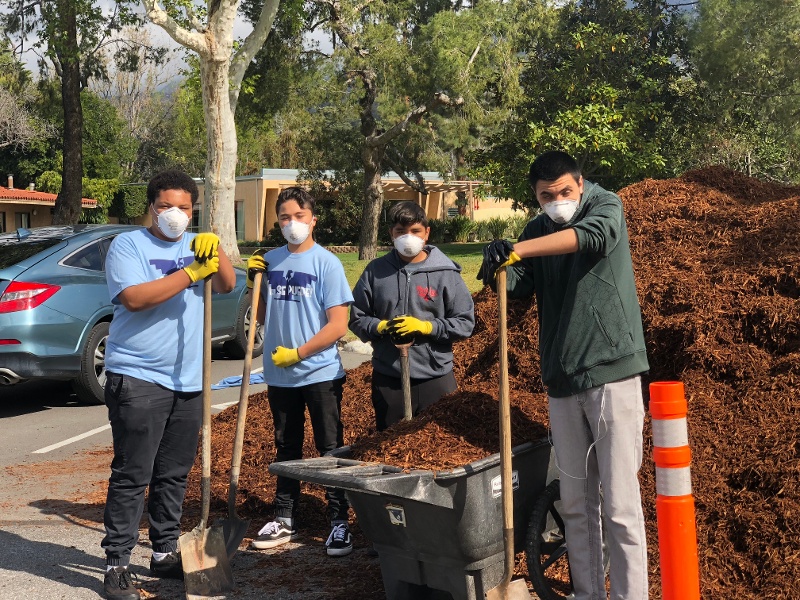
[297, 290]
[163, 344]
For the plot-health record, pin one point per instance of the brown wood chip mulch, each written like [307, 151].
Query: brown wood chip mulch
[717, 259]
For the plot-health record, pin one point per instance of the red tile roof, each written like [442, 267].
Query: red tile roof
[30, 197]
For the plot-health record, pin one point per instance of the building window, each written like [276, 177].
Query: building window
[2, 222]
[22, 220]
[238, 208]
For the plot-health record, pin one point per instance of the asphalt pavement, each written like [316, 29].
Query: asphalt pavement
[54, 460]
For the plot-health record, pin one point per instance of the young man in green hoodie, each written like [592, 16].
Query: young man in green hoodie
[575, 259]
[416, 292]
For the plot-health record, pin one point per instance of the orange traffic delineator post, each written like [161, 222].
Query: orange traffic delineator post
[677, 532]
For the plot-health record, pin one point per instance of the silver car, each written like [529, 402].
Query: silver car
[55, 309]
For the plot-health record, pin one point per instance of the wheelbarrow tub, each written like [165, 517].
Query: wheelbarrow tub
[439, 529]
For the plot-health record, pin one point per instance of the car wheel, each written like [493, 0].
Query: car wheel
[90, 384]
[236, 347]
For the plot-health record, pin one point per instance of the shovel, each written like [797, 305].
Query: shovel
[234, 528]
[206, 569]
[405, 377]
[506, 589]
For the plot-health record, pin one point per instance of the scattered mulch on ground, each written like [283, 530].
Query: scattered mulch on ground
[717, 259]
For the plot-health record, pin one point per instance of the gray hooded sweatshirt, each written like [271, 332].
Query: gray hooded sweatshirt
[432, 290]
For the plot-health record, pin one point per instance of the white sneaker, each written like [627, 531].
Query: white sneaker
[274, 533]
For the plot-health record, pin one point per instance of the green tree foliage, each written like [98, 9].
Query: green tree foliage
[746, 52]
[101, 190]
[608, 86]
[129, 202]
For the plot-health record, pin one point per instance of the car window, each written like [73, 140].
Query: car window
[104, 244]
[14, 251]
[89, 257]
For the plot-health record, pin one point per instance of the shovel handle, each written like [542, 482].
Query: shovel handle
[241, 416]
[506, 471]
[205, 456]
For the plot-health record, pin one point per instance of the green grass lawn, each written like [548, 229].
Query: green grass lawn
[468, 255]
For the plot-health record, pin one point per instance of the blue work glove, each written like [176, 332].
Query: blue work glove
[204, 246]
[254, 264]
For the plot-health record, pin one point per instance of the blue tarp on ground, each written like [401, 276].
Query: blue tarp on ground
[236, 380]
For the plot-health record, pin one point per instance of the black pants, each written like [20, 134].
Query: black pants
[388, 401]
[288, 405]
[155, 433]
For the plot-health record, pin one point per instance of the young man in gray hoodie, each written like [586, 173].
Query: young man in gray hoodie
[413, 291]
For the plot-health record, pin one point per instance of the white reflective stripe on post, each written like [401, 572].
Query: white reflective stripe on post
[670, 433]
[673, 481]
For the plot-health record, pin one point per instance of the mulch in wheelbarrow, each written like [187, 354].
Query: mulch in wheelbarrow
[717, 259]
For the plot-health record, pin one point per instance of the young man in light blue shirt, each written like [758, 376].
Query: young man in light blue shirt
[154, 374]
[305, 306]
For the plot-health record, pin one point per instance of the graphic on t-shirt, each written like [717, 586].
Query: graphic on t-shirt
[290, 285]
[426, 293]
[168, 267]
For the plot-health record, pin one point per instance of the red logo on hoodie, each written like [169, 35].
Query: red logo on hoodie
[427, 293]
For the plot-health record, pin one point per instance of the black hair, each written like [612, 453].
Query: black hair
[407, 213]
[551, 166]
[299, 195]
[172, 180]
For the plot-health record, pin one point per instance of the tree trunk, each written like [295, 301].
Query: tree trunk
[371, 157]
[68, 202]
[220, 184]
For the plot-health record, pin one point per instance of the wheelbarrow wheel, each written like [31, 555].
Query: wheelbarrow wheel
[546, 547]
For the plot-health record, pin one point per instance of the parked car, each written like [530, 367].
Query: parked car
[55, 308]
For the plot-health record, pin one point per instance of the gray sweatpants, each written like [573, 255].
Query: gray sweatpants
[597, 436]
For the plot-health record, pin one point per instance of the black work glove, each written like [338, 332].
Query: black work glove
[494, 254]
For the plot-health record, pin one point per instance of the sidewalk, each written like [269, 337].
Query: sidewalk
[51, 525]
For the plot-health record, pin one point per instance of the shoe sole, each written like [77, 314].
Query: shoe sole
[267, 544]
[339, 551]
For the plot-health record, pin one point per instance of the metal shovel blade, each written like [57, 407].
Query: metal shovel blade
[233, 530]
[206, 570]
[513, 590]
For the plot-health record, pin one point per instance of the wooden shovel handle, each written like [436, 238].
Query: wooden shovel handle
[241, 417]
[506, 471]
[205, 457]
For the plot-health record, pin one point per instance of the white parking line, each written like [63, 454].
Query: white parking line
[77, 438]
[71, 440]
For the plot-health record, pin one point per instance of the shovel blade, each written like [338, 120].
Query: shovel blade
[513, 590]
[233, 530]
[206, 570]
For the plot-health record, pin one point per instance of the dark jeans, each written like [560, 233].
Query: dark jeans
[155, 433]
[388, 401]
[288, 405]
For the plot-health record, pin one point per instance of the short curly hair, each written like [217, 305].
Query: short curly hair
[172, 180]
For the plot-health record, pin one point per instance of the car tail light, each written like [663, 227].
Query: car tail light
[9, 342]
[20, 295]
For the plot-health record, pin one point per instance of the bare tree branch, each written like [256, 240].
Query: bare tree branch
[414, 116]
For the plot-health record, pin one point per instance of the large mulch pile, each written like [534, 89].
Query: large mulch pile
[717, 259]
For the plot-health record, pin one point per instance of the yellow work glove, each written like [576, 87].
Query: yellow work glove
[254, 264]
[204, 246]
[285, 357]
[513, 257]
[405, 325]
[200, 270]
[382, 326]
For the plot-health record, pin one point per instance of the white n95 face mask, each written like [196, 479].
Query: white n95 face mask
[409, 245]
[172, 222]
[296, 232]
[561, 211]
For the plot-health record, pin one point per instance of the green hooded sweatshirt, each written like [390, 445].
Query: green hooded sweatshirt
[590, 324]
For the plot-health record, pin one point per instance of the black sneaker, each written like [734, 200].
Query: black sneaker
[340, 541]
[169, 567]
[118, 585]
[273, 534]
